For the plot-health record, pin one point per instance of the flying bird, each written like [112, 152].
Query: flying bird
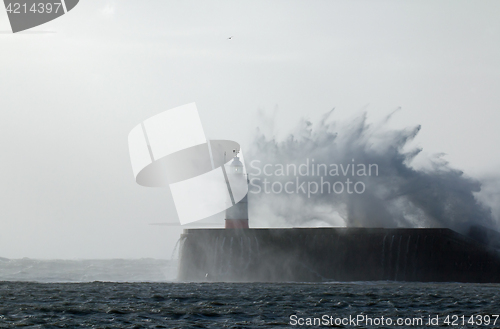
[230, 38]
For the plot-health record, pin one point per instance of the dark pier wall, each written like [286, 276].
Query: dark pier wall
[335, 254]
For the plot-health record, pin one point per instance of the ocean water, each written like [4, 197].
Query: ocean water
[115, 270]
[248, 305]
[67, 296]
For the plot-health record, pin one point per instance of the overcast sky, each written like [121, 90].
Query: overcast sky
[69, 98]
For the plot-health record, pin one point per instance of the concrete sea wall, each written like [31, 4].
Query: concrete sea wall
[335, 254]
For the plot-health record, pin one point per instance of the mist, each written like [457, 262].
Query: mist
[404, 188]
[70, 97]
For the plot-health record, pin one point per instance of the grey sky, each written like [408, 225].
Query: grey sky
[68, 99]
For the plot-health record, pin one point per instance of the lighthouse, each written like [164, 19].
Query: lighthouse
[237, 215]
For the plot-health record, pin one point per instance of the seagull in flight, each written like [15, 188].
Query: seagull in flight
[230, 38]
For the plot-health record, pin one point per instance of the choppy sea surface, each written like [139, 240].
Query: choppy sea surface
[116, 270]
[59, 300]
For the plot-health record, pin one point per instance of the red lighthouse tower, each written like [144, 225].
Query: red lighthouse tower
[237, 215]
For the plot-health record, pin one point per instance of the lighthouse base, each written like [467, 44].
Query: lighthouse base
[236, 223]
